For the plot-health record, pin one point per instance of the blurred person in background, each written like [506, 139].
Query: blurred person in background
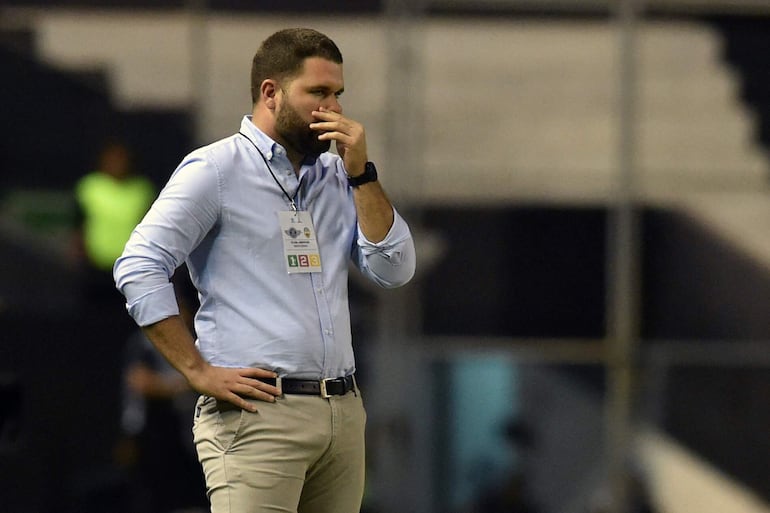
[268, 222]
[110, 201]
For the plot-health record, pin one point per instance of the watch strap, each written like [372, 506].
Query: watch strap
[369, 175]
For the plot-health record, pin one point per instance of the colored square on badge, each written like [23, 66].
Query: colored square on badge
[293, 261]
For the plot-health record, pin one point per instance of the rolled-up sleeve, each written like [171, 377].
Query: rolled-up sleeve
[183, 214]
[391, 262]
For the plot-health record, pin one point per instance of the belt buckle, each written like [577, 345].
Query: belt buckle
[324, 393]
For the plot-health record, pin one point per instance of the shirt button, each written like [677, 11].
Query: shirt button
[328, 332]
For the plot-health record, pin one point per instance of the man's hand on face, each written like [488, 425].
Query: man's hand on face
[349, 136]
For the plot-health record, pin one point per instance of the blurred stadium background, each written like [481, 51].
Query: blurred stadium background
[588, 185]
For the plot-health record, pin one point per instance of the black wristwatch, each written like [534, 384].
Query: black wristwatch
[369, 175]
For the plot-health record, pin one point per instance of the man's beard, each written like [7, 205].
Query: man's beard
[297, 134]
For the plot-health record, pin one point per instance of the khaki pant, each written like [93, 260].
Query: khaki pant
[301, 454]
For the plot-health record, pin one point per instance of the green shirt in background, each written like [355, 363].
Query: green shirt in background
[111, 209]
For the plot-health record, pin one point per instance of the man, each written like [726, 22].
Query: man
[268, 221]
[109, 202]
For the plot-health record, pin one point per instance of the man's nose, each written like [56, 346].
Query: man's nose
[333, 104]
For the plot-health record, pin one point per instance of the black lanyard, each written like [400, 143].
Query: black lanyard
[292, 203]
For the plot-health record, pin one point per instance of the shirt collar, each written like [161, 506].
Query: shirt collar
[266, 145]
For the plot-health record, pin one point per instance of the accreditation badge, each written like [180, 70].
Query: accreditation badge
[300, 245]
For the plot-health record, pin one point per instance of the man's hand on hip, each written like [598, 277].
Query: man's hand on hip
[234, 385]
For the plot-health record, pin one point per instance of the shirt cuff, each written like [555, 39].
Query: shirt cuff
[391, 245]
[154, 306]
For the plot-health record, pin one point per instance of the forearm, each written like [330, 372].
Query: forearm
[374, 210]
[173, 340]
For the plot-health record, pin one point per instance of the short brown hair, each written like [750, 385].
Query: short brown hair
[282, 55]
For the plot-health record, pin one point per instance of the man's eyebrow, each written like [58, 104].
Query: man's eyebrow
[321, 87]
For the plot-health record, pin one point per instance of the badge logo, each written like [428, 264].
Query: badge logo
[293, 232]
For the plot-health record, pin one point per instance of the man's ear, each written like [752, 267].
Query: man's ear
[268, 90]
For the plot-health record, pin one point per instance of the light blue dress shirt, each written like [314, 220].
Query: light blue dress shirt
[218, 213]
